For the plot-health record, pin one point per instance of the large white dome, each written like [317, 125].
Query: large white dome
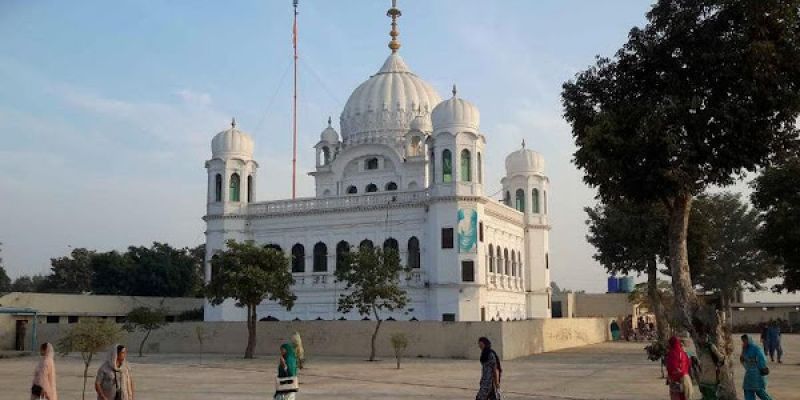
[456, 112]
[232, 143]
[387, 102]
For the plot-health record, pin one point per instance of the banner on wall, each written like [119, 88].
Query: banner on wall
[467, 230]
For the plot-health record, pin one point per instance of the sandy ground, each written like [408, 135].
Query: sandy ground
[604, 371]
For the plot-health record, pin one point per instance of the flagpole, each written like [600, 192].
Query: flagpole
[294, 106]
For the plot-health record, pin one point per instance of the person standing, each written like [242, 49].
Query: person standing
[491, 371]
[44, 377]
[710, 360]
[756, 371]
[678, 365]
[764, 327]
[297, 342]
[114, 381]
[287, 367]
[774, 341]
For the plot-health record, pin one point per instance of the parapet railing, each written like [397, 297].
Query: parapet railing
[339, 202]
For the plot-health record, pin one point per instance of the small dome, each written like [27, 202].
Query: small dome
[329, 134]
[232, 143]
[456, 112]
[524, 161]
[421, 123]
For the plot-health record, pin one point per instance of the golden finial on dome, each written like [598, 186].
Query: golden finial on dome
[394, 12]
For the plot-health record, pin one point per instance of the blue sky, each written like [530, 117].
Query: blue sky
[107, 109]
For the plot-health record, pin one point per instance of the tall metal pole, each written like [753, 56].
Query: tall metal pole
[294, 107]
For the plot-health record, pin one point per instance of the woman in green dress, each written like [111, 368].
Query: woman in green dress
[287, 367]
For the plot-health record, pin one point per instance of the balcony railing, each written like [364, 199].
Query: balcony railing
[336, 203]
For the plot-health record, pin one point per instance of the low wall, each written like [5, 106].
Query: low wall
[351, 338]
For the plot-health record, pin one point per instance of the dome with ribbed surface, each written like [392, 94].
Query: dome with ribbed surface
[232, 143]
[524, 161]
[456, 112]
[387, 102]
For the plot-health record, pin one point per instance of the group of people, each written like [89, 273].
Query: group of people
[685, 367]
[771, 339]
[115, 382]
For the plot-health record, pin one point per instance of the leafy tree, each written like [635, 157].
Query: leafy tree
[372, 284]
[707, 90]
[5, 281]
[29, 283]
[112, 273]
[630, 238]
[733, 259]
[777, 198]
[146, 320]
[89, 336]
[250, 274]
[73, 273]
[399, 345]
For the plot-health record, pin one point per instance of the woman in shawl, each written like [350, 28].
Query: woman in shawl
[44, 377]
[755, 371]
[114, 380]
[298, 349]
[286, 367]
[491, 371]
[678, 365]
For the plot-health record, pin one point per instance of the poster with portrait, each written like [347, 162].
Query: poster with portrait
[467, 230]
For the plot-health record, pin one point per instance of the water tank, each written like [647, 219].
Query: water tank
[613, 284]
[626, 284]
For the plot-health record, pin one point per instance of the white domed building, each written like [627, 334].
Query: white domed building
[407, 173]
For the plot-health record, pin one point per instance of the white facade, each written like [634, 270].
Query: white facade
[409, 170]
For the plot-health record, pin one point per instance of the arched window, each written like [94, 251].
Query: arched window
[412, 185]
[433, 168]
[480, 168]
[218, 188]
[535, 199]
[391, 186]
[249, 188]
[298, 258]
[519, 264]
[507, 198]
[513, 263]
[234, 188]
[519, 204]
[491, 258]
[506, 262]
[326, 155]
[391, 244]
[366, 244]
[371, 188]
[320, 257]
[413, 252]
[371, 163]
[498, 261]
[352, 190]
[546, 260]
[342, 249]
[466, 166]
[447, 166]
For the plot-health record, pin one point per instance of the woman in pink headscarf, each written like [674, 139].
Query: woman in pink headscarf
[678, 365]
[44, 377]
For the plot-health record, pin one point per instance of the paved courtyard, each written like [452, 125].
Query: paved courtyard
[604, 371]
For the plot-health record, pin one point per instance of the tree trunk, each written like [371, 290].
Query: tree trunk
[141, 345]
[251, 331]
[85, 377]
[375, 336]
[686, 310]
[656, 302]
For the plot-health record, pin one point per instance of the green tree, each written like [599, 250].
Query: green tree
[88, 337]
[399, 345]
[29, 283]
[630, 238]
[777, 198]
[733, 259]
[112, 273]
[163, 270]
[372, 284]
[146, 320]
[5, 281]
[73, 273]
[250, 274]
[706, 91]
